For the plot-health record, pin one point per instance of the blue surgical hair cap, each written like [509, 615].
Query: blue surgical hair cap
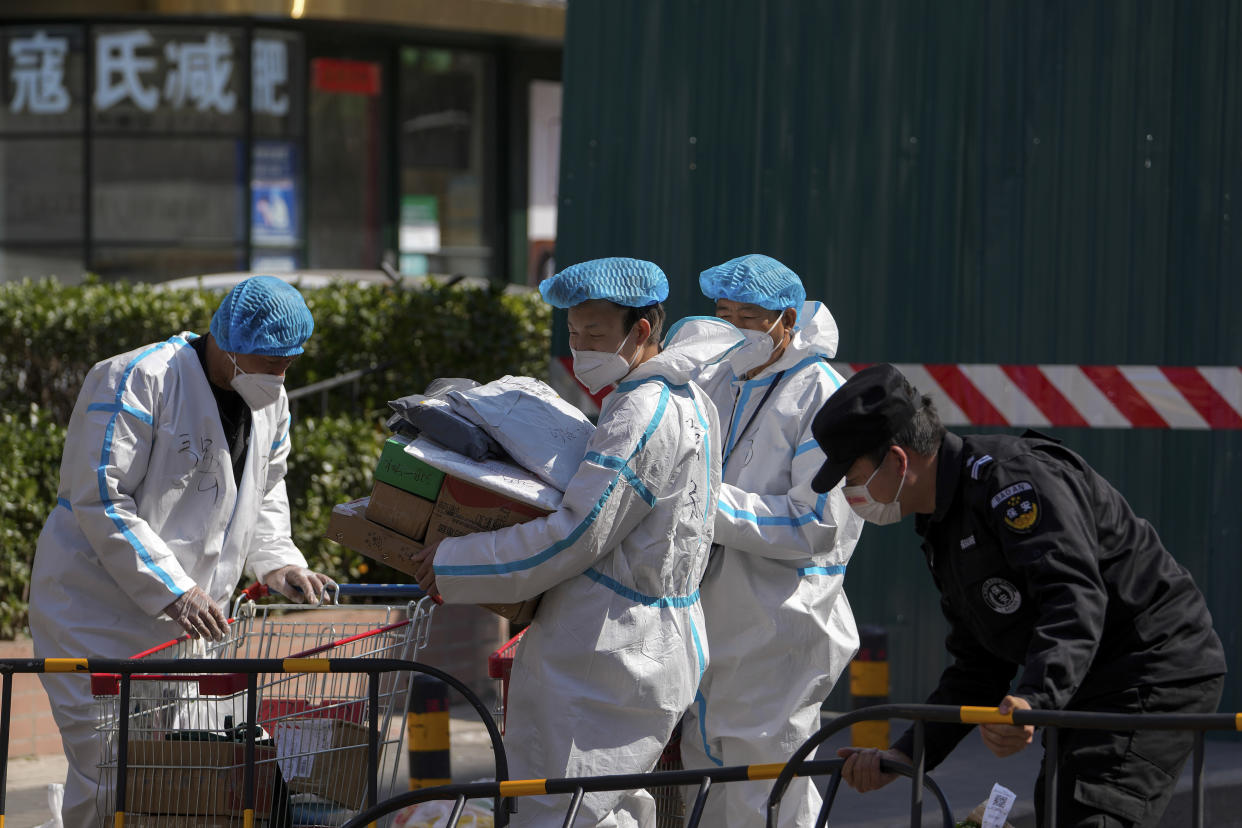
[630, 282]
[262, 315]
[756, 280]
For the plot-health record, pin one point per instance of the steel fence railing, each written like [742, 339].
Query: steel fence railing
[1050, 720]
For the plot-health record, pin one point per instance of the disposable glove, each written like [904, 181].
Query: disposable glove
[298, 584]
[198, 615]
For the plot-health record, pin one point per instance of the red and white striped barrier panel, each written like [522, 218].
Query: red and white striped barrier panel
[1084, 396]
[1044, 396]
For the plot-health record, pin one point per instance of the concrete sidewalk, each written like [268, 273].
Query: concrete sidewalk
[965, 778]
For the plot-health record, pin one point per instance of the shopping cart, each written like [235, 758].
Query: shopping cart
[187, 733]
[500, 667]
[670, 806]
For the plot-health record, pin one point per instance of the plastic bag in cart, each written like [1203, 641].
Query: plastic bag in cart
[477, 814]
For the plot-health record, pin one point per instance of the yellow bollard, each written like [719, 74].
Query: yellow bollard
[427, 724]
[869, 685]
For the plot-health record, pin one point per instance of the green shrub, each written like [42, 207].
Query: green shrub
[331, 462]
[30, 442]
[51, 334]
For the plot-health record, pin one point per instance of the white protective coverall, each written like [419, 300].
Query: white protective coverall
[615, 652]
[147, 507]
[778, 622]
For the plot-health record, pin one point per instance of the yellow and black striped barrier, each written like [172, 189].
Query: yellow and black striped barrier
[427, 733]
[869, 685]
[576, 787]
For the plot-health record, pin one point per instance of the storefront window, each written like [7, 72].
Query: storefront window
[543, 170]
[41, 200]
[347, 179]
[126, 150]
[167, 179]
[166, 190]
[41, 106]
[278, 101]
[444, 155]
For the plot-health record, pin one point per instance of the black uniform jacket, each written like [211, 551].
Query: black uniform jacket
[1041, 564]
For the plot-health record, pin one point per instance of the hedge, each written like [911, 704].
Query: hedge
[51, 334]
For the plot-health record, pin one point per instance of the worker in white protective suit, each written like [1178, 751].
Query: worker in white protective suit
[778, 622]
[615, 651]
[171, 484]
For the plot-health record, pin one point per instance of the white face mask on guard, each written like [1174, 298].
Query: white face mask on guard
[258, 390]
[755, 351]
[600, 369]
[870, 509]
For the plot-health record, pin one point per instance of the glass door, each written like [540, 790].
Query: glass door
[346, 140]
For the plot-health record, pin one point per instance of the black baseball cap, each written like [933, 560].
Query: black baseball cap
[862, 415]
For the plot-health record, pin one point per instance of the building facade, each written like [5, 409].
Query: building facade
[152, 140]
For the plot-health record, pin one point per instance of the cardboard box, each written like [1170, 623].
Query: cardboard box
[399, 468]
[324, 757]
[400, 511]
[464, 508]
[349, 527]
[199, 778]
[521, 613]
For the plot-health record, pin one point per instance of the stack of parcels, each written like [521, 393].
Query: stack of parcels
[465, 458]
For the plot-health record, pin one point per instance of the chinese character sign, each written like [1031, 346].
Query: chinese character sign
[199, 74]
[269, 68]
[180, 78]
[119, 70]
[39, 74]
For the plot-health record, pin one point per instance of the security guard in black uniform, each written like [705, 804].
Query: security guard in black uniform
[1042, 567]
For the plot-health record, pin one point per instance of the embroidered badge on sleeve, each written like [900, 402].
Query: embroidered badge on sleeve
[1017, 506]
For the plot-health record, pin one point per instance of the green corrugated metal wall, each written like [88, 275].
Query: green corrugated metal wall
[959, 182]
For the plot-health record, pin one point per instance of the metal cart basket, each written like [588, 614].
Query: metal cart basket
[187, 733]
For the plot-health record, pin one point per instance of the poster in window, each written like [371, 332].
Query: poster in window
[274, 208]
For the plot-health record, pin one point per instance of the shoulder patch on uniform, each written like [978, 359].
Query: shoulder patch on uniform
[977, 464]
[1017, 506]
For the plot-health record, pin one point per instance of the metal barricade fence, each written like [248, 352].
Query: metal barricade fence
[503, 790]
[1050, 720]
[799, 765]
[128, 671]
[578, 786]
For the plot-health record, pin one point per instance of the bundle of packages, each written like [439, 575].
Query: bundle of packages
[431, 413]
[466, 458]
[536, 427]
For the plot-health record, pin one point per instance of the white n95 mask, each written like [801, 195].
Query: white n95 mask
[258, 390]
[600, 369]
[870, 509]
[755, 351]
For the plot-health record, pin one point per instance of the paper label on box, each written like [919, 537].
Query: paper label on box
[297, 743]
